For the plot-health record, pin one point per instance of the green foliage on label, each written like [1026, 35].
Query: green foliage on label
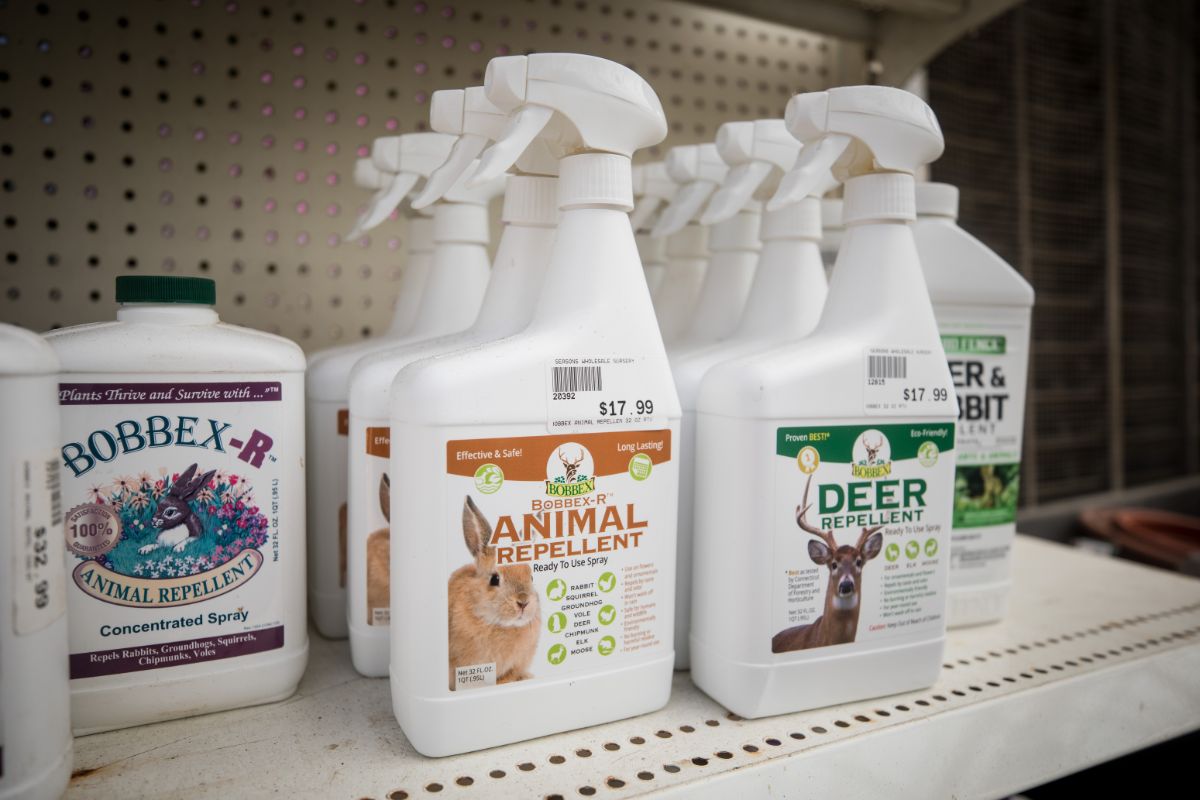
[986, 495]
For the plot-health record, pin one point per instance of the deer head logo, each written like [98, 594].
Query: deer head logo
[571, 465]
[843, 594]
[873, 449]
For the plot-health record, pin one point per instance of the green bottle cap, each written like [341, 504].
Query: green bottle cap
[166, 289]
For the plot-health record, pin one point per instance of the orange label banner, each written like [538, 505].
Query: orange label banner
[524, 458]
[379, 442]
[343, 422]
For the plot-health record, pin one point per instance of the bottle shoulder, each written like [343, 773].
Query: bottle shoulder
[962, 270]
[371, 376]
[145, 347]
[23, 352]
[329, 370]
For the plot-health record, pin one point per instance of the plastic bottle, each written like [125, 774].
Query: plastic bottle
[397, 163]
[733, 247]
[514, 433]
[983, 308]
[832, 231]
[455, 297]
[651, 185]
[793, 575]
[35, 705]
[784, 304]
[182, 464]
[687, 247]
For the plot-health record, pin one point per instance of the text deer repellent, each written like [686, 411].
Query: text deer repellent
[181, 458]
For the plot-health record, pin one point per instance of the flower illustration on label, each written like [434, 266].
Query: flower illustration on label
[570, 471]
[872, 455]
[169, 541]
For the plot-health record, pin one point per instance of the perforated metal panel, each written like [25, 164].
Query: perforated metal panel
[217, 138]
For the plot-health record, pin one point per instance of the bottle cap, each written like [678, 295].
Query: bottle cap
[937, 200]
[166, 289]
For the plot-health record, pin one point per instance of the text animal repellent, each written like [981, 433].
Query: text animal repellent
[983, 309]
[533, 499]
[784, 304]
[825, 468]
[35, 705]
[516, 276]
[402, 162]
[182, 464]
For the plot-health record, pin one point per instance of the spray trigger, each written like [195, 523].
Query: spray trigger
[812, 170]
[643, 209]
[384, 202]
[741, 184]
[523, 128]
[683, 210]
[465, 150]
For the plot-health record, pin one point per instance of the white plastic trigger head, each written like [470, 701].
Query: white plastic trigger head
[384, 202]
[811, 173]
[739, 189]
[465, 151]
[524, 127]
[687, 203]
[366, 176]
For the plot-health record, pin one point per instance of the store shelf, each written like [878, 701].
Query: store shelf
[1098, 658]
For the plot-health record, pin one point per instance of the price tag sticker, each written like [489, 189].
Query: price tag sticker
[901, 380]
[589, 393]
[40, 595]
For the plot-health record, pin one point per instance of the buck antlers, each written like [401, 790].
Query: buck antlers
[571, 466]
[872, 449]
[823, 535]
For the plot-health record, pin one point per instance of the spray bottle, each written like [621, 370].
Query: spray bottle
[646, 200]
[832, 230]
[844, 446]
[983, 309]
[529, 216]
[566, 428]
[784, 303]
[733, 246]
[35, 693]
[397, 162]
[687, 248]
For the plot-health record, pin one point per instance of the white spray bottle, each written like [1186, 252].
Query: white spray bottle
[35, 692]
[832, 231]
[398, 162]
[733, 246]
[529, 216]
[650, 185]
[983, 309]
[568, 429]
[687, 248]
[784, 303]
[833, 457]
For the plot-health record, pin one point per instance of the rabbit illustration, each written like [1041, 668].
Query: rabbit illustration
[379, 547]
[494, 613]
[174, 518]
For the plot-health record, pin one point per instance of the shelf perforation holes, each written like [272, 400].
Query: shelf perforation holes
[771, 745]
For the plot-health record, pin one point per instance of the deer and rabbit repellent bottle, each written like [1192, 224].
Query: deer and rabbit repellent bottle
[983, 308]
[396, 166]
[538, 471]
[528, 215]
[835, 589]
[784, 304]
[733, 247]
[35, 694]
[182, 464]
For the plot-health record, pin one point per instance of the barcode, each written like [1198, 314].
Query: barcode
[577, 379]
[887, 366]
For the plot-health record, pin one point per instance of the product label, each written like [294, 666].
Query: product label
[343, 429]
[377, 505]
[862, 524]
[178, 496]
[906, 381]
[988, 358]
[554, 546]
[590, 392]
[38, 586]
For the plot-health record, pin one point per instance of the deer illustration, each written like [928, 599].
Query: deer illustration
[872, 449]
[572, 467]
[843, 596]
[178, 525]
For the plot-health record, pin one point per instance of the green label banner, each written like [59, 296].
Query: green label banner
[993, 345]
[836, 443]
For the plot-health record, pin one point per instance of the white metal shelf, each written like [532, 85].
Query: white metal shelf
[1097, 658]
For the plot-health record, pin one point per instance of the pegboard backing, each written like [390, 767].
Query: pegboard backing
[217, 138]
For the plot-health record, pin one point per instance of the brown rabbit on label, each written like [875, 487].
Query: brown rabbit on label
[379, 568]
[495, 617]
